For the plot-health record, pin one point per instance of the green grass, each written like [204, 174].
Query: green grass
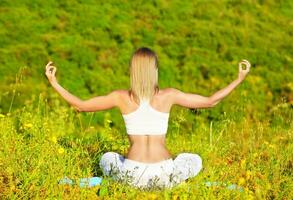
[42, 143]
[246, 139]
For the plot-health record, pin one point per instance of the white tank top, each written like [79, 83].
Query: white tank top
[146, 120]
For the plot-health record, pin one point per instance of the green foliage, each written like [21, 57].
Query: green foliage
[197, 43]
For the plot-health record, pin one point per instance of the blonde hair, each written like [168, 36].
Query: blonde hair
[143, 74]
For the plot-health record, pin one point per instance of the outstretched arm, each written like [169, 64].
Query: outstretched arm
[190, 100]
[219, 95]
[94, 104]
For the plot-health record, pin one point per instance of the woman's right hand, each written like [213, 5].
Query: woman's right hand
[243, 72]
[50, 72]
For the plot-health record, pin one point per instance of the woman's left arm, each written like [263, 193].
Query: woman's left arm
[94, 104]
[219, 95]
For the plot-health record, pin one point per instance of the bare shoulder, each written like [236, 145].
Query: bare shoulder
[168, 95]
[121, 92]
[170, 92]
[122, 95]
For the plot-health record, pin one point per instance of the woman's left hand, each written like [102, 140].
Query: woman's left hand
[243, 72]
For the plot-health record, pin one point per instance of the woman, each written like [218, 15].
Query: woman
[145, 109]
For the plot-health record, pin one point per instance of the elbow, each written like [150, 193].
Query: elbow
[212, 103]
[79, 108]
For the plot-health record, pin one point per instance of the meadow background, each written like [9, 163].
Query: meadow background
[246, 139]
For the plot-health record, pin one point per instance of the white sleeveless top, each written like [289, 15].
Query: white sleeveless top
[146, 120]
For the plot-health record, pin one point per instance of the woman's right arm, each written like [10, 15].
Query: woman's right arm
[98, 103]
[71, 99]
[190, 100]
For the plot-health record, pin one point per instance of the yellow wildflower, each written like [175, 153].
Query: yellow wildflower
[54, 139]
[250, 196]
[60, 150]
[241, 181]
[2, 116]
[28, 125]
[248, 174]
[242, 163]
[175, 197]
[153, 196]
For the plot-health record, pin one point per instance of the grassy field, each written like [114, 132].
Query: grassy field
[245, 140]
[41, 144]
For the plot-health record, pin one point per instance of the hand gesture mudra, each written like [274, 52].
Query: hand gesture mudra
[50, 72]
[243, 72]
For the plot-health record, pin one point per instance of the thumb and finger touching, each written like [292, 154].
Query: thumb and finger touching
[49, 63]
[246, 63]
[54, 71]
[50, 71]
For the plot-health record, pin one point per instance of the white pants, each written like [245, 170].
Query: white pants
[166, 173]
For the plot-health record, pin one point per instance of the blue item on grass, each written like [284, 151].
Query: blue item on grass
[83, 182]
[229, 187]
[90, 182]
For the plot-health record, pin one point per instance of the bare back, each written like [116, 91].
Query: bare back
[147, 148]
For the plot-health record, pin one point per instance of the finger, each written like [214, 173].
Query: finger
[247, 69]
[50, 69]
[241, 63]
[49, 63]
[54, 71]
[248, 63]
[239, 66]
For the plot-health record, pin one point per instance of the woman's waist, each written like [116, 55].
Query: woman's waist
[144, 140]
[148, 153]
[149, 163]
